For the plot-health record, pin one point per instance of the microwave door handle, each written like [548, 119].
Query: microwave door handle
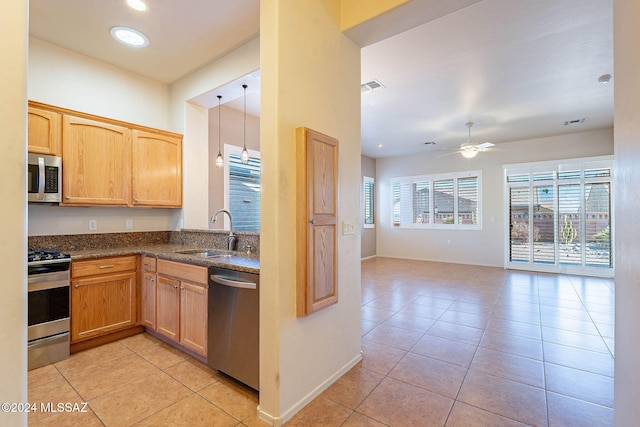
[41, 176]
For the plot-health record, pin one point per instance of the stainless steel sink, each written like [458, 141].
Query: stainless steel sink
[209, 253]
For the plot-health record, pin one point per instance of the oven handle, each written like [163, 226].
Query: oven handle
[40, 282]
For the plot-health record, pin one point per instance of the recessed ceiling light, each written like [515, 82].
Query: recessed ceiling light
[379, 145]
[129, 37]
[137, 5]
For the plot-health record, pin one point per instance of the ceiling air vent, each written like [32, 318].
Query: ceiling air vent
[371, 86]
[575, 122]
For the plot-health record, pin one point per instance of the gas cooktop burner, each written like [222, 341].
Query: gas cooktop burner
[47, 255]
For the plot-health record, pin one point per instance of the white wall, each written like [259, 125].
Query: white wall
[232, 134]
[70, 80]
[479, 247]
[193, 120]
[13, 144]
[67, 79]
[626, 36]
[301, 46]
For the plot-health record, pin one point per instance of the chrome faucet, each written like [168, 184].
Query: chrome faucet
[232, 240]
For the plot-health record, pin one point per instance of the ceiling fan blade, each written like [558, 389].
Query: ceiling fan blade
[485, 145]
[449, 154]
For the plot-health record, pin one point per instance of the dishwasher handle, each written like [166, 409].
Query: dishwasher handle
[221, 280]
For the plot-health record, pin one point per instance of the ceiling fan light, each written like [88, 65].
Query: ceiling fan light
[469, 152]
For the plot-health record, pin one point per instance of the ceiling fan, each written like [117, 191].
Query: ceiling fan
[469, 149]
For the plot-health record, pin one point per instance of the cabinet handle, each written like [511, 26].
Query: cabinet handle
[76, 286]
[135, 200]
[67, 197]
[312, 222]
[182, 288]
[175, 286]
[152, 279]
[106, 266]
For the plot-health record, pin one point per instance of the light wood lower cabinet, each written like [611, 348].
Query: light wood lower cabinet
[148, 293]
[103, 296]
[181, 304]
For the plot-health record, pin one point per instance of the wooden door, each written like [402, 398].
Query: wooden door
[193, 316]
[156, 169]
[102, 304]
[44, 131]
[148, 303]
[317, 214]
[97, 163]
[168, 307]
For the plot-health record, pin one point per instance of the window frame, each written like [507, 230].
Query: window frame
[372, 202]
[230, 150]
[403, 215]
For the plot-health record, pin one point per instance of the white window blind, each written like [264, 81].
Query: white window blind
[243, 198]
[368, 202]
[437, 201]
[560, 217]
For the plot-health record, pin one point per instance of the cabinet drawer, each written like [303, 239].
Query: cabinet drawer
[103, 266]
[148, 263]
[192, 273]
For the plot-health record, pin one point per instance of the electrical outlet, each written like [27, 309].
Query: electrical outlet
[128, 224]
[93, 225]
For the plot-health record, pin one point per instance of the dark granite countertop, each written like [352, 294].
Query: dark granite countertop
[239, 261]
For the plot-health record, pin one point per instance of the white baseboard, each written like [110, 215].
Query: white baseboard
[278, 421]
[368, 257]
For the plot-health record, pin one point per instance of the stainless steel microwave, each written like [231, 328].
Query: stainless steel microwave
[44, 178]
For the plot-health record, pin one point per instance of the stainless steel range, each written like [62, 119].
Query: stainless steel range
[48, 307]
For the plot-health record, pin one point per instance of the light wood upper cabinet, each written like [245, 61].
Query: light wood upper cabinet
[108, 162]
[97, 162]
[44, 131]
[103, 296]
[156, 169]
[316, 220]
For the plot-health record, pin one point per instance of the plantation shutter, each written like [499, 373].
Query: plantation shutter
[244, 193]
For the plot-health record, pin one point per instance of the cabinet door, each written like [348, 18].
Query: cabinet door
[193, 317]
[44, 132]
[97, 163]
[317, 213]
[168, 307]
[102, 304]
[156, 169]
[148, 306]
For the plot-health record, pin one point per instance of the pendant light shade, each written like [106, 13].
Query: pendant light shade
[219, 159]
[244, 157]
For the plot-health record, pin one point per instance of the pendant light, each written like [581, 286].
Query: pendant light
[244, 157]
[219, 159]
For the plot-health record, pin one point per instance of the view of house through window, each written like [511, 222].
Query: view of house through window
[242, 189]
[560, 216]
[438, 201]
[368, 202]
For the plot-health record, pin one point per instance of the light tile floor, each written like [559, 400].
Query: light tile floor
[444, 344]
[458, 345]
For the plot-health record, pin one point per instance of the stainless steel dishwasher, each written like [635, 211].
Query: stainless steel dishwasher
[233, 341]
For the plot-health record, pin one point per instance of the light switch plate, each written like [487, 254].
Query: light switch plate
[128, 224]
[93, 225]
[347, 228]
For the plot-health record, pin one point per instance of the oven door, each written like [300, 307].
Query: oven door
[48, 306]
